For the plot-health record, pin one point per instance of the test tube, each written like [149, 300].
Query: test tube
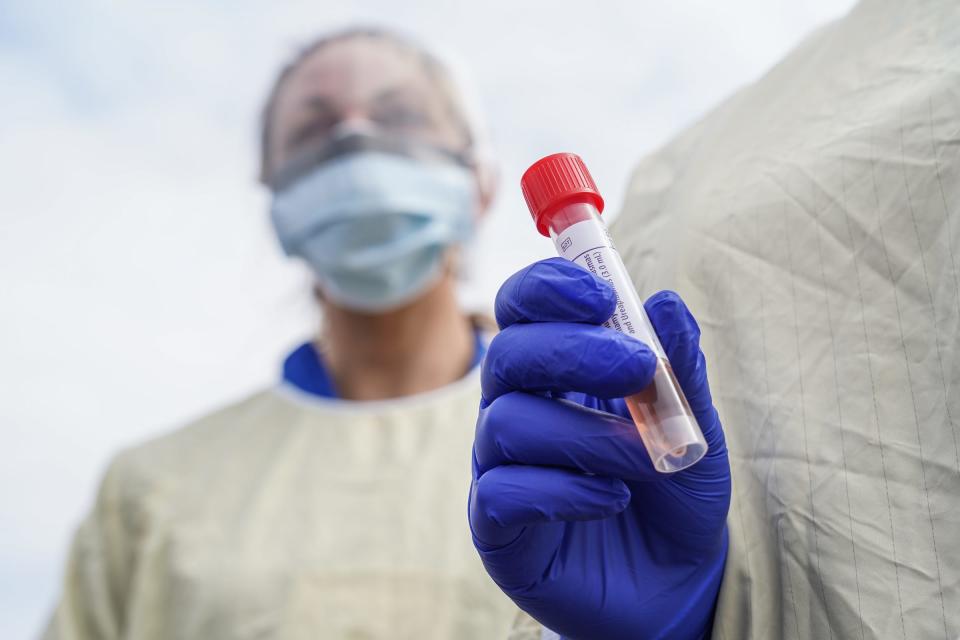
[566, 206]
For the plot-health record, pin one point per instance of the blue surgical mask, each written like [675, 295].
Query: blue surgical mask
[374, 226]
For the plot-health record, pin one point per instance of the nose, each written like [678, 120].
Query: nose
[353, 123]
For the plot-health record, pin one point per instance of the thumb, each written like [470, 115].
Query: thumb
[680, 336]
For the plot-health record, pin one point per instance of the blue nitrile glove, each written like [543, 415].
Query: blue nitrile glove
[569, 516]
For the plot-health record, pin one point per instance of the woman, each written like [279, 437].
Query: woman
[332, 505]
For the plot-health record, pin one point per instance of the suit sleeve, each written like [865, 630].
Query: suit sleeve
[99, 570]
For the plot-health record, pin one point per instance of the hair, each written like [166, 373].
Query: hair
[438, 73]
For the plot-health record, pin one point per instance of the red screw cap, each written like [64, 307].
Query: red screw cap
[557, 180]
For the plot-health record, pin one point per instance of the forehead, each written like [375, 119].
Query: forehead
[350, 73]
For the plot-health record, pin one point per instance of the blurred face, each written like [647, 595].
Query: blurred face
[355, 80]
[379, 229]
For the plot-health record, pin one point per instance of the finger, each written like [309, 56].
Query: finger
[554, 290]
[520, 428]
[560, 356]
[506, 499]
[680, 336]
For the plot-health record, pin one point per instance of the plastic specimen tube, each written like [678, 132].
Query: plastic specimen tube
[566, 206]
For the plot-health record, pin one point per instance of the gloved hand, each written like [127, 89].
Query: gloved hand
[567, 512]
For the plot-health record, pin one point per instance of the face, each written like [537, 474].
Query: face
[360, 79]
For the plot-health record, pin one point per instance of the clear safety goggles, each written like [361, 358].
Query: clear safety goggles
[356, 137]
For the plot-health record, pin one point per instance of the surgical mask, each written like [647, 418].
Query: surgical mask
[375, 225]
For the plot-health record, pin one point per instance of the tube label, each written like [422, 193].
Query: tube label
[589, 245]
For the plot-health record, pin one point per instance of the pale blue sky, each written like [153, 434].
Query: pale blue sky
[140, 285]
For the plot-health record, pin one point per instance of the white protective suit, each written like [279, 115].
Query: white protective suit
[812, 223]
[291, 517]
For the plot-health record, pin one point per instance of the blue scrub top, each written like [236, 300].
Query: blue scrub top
[304, 368]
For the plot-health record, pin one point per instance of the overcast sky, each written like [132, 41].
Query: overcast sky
[139, 282]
